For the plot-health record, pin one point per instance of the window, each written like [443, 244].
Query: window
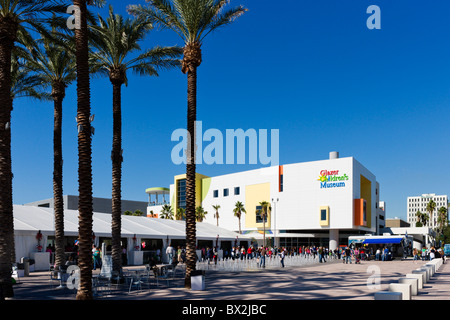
[237, 191]
[364, 211]
[259, 218]
[181, 193]
[323, 214]
[226, 192]
[216, 193]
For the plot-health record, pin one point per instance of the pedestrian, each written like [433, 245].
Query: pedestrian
[321, 253]
[415, 254]
[169, 253]
[282, 255]
[262, 262]
[348, 255]
[424, 253]
[96, 257]
[432, 253]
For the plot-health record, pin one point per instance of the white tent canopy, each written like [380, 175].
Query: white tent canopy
[28, 220]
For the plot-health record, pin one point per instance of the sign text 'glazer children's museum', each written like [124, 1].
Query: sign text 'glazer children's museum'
[332, 179]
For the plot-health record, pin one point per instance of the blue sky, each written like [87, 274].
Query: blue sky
[311, 69]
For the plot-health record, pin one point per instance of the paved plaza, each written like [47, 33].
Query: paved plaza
[325, 281]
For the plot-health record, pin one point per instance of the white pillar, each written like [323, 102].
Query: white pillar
[334, 239]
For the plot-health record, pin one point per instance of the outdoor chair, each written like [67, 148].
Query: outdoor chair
[101, 286]
[136, 282]
[53, 278]
[167, 274]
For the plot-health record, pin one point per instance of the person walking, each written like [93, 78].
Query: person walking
[282, 255]
[320, 254]
[96, 257]
[169, 253]
[262, 261]
[348, 255]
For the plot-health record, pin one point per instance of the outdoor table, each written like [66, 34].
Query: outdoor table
[162, 268]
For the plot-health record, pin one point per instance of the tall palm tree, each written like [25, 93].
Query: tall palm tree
[55, 64]
[116, 39]
[200, 214]
[238, 210]
[84, 119]
[28, 85]
[181, 214]
[192, 20]
[431, 206]
[17, 18]
[264, 212]
[442, 219]
[167, 212]
[216, 215]
[24, 83]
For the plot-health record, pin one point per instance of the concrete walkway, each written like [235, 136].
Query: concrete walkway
[326, 281]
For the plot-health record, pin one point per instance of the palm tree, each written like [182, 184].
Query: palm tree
[17, 19]
[238, 210]
[55, 65]
[84, 119]
[181, 214]
[431, 206]
[264, 212]
[200, 214]
[28, 85]
[192, 21]
[116, 39]
[442, 219]
[419, 216]
[216, 215]
[166, 212]
[24, 83]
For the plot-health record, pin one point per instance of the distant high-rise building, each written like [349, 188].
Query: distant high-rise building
[419, 203]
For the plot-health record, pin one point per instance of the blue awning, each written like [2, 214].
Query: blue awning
[383, 240]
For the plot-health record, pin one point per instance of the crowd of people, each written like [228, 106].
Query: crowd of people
[211, 254]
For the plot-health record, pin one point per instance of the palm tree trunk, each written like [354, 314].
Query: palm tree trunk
[58, 181]
[240, 223]
[84, 156]
[116, 223]
[190, 177]
[8, 31]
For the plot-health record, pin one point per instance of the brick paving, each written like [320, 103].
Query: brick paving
[326, 281]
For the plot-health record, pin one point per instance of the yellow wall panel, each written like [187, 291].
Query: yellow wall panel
[254, 194]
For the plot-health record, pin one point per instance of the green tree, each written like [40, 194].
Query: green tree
[84, 119]
[18, 19]
[431, 206]
[216, 215]
[117, 41]
[192, 20]
[419, 217]
[55, 65]
[442, 220]
[166, 212]
[181, 214]
[200, 214]
[264, 213]
[238, 210]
